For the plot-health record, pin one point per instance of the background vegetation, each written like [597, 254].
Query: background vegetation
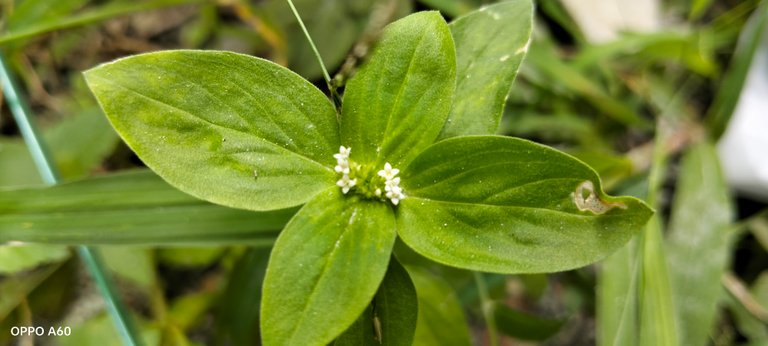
[644, 110]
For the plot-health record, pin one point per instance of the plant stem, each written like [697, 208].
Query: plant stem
[311, 43]
[487, 307]
[50, 175]
[334, 93]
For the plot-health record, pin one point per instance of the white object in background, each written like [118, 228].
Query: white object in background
[744, 146]
[603, 20]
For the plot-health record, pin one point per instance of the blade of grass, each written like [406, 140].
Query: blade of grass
[143, 209]
[542, 56]
[728, 94]
[657, 313]
[88, 17]
[697, 242]
[48, 172]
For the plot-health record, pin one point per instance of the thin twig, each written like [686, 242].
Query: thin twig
[739, 290]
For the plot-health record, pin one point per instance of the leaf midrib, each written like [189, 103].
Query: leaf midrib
[326, 266]
[401, 90]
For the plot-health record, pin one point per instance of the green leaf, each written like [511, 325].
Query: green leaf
[507, 205]
[35, 11]
[113, 9]
[396, 306]
[362, 332]
[135, 207]
[543, 58]
[397, 103]
[79, 144]
[132, 263]
[16, 288]
[14, 259]
[617, 304]
[239, 309]
[325, 268]
[727, 97]
[188, 310]
[391, 317]
[701, 215]
[524, 326]
[190, 257]
[490, 45]
[440, 320]
[228, 128]
[100, 330]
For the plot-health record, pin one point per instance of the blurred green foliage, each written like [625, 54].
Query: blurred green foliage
[604, 103]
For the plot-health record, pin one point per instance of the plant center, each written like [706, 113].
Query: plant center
[366, 181]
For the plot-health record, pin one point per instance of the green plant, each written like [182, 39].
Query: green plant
[396, 161]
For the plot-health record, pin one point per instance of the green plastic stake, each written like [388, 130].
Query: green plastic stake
[46, 166]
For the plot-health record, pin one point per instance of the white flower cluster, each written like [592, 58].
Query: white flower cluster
[392, 184]
[392, 189]
[342, 166]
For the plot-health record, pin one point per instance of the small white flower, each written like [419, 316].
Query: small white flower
[391, 184]
[345, 183]
[342, 168]
[343, 154]
[388, 172]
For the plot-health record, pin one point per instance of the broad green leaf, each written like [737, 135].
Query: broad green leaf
[238, 315]
[20, 258]
[362, 332]
[697, 244]
[524, 326]
[440, 320]
[397, 103]
[507, 205]
[490, 45]
[396, 306]
[325, 268]
[391, 317]
[228, 128]
[128, 208]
